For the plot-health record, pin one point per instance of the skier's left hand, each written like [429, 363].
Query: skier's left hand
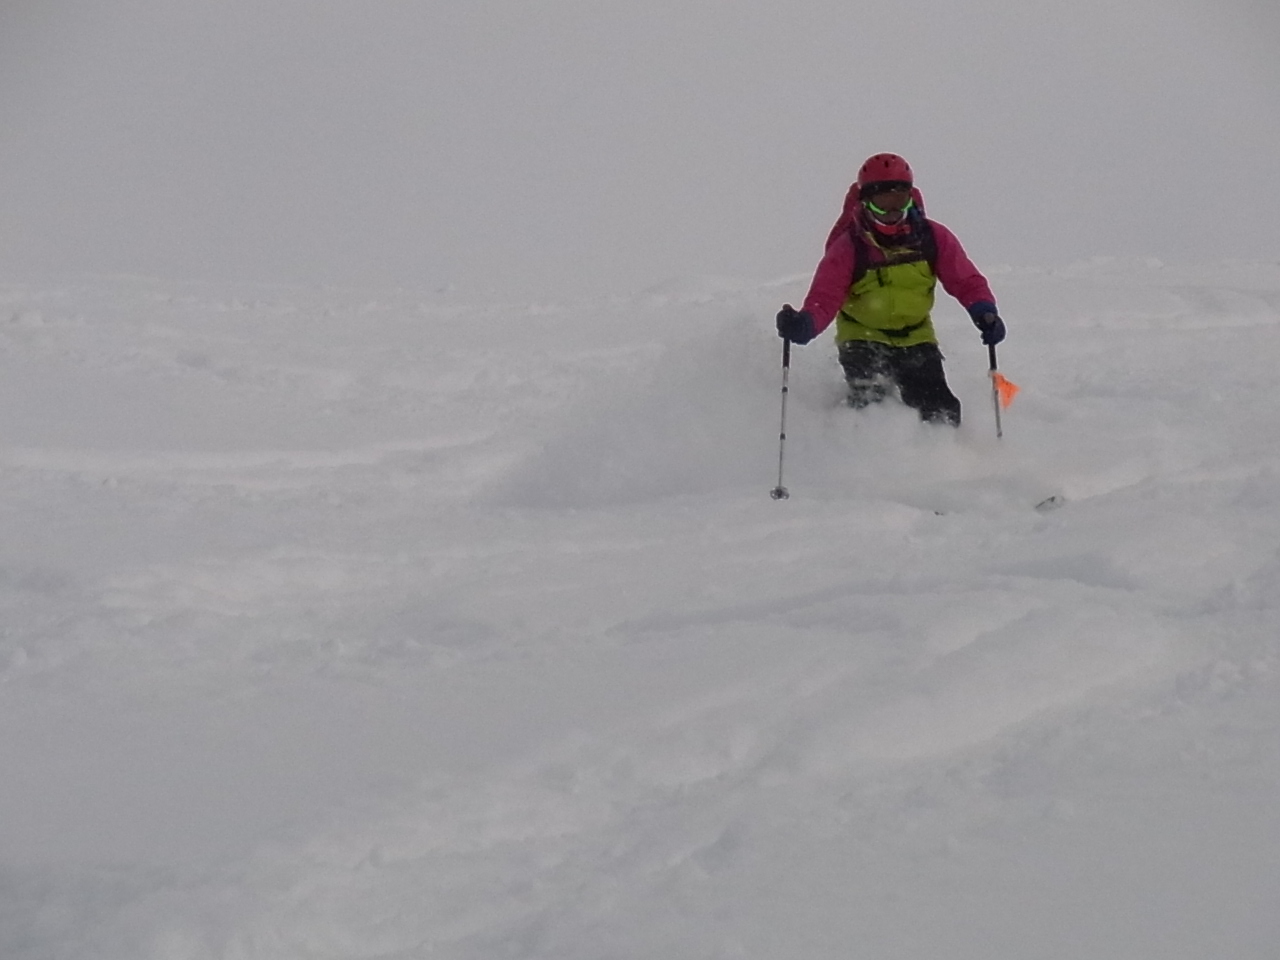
[988, 322]
[992, 328]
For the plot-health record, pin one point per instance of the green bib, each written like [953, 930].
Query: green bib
[890, 304]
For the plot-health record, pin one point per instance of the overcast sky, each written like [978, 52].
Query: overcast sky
[549, 147]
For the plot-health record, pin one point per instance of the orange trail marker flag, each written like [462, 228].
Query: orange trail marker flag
[1002, 390]
[1006, 389]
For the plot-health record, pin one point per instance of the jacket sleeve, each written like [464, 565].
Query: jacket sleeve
[956, 272]
[830, 284]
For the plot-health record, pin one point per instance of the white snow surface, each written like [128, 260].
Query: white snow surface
[351, 623]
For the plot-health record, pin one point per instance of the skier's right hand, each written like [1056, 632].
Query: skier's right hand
[795, 325]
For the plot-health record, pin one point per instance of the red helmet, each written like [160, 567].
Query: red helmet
[882, 167]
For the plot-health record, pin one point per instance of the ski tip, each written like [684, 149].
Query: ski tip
[1051, 503]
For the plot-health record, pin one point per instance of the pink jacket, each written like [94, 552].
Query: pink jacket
[831, 281]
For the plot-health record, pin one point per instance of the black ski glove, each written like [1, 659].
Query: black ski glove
[988, 322]
[992, 328]
[795, 325]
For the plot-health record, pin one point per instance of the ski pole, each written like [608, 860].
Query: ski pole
[995, 388]
[780, 492]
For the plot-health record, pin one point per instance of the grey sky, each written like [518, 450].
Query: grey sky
[568, 146]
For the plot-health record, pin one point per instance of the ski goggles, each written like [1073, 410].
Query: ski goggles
[888, 197]
[891, 208]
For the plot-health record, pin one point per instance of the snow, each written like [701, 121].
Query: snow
[373, 623]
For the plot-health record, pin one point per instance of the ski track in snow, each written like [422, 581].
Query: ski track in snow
[372, 624]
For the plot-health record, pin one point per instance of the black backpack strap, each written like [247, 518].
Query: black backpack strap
[929, 244]
[861, 255]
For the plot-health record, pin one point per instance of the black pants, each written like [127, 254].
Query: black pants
[871, 369]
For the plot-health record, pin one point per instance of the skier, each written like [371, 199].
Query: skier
[876, 280]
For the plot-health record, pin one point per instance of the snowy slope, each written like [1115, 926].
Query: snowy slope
[381, 623]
